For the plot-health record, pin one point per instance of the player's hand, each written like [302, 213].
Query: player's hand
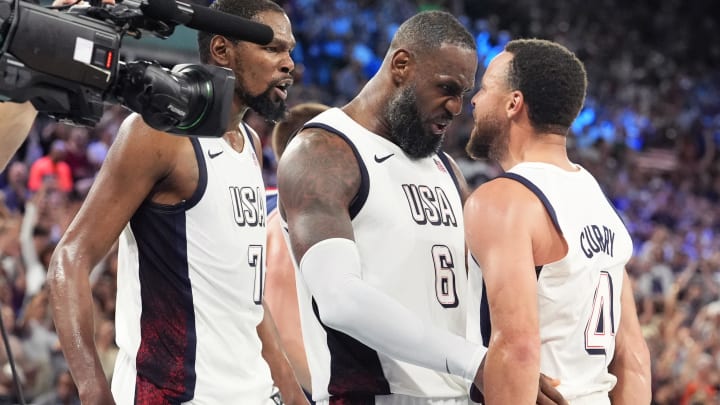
[547, 394]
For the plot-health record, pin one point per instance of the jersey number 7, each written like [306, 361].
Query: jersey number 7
[255, 261]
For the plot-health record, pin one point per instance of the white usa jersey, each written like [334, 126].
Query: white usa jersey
[408, 226]
[579, 295]
[190, 282]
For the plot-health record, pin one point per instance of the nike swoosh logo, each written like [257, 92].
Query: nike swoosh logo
[214, 155]
[384, 158]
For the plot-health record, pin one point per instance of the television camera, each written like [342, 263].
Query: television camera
[66, 63]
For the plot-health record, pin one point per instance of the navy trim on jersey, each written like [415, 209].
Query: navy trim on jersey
[485, 326]
[356, 374]
[446, 161]
[249, 135]
[202, 175]
[530, 185]
[364, 190]
[165, 360]
[185, 205]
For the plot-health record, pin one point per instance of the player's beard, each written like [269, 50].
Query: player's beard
[263, 103]
[489, 139]
[406, 127]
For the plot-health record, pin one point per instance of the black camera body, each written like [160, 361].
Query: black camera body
[67, 65]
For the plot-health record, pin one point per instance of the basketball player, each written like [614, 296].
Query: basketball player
[551, 247]
[190, 215]
[373, 210]
[280, 294]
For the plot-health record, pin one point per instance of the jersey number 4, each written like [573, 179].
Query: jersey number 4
[444, 276]
[600, 328]
[255, 261]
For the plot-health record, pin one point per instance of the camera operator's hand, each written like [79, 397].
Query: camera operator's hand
[15, 122]
[58, 3]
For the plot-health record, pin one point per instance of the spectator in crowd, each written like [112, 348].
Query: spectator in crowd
[16, 191]
[51, 167]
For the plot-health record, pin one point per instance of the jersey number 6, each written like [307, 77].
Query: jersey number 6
[444, 276]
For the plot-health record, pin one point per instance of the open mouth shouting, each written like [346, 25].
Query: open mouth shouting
[281, 89]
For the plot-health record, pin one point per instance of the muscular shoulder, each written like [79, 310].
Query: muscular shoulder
[138, 136]
[140, 150]
[502, 202]
[318, 165]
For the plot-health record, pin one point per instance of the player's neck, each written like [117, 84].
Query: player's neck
[235, 139]
[363, 111]
[544, 148]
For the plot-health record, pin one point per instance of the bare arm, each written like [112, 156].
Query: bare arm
[15, 122]
[318, 177]
[136, 161]
[281, 298]
[631, 363]
[272, 352]
[498, 229]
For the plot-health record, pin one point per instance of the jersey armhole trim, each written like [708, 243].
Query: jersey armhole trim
[364, 189]
[540, 195]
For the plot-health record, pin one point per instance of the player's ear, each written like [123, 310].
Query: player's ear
[515, 103]
[221, 50]
[400, 66]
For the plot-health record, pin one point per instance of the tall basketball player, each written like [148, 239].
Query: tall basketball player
[551, 247]
[190, 216]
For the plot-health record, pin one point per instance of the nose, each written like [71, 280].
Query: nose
[287, 65]
[454, 105]
[472, 100]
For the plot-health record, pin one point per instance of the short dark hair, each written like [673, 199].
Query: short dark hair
[295, 118]
[552, 80]
[429, 30]
[241, 8]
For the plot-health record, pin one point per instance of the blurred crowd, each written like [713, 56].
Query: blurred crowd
[649, 133]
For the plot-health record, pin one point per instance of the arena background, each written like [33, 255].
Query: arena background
[649, 132]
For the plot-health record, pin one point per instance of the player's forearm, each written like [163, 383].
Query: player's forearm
[631, 362]
[633, 379]
[15, 122]
[347, 303]
[511, 372]
[72, 305]
[274, 355]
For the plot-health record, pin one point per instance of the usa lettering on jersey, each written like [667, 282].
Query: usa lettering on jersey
[429, 205]
[248, 208]
[596, 239]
